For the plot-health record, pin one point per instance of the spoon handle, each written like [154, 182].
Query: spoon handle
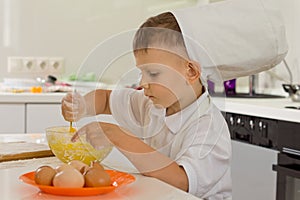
[72, 129]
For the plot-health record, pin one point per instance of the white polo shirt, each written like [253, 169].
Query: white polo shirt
[197, 138]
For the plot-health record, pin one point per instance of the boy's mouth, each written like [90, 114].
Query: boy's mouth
[149, 96]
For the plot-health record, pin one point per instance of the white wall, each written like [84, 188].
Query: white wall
[72, 28]
[69, 28]
[290, 11]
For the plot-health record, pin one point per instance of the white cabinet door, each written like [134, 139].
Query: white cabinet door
[252, 175]
[12, 118]
[41, 116]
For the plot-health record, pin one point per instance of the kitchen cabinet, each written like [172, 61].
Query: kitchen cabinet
[36, 117]
[252, 175]
[29, 118]
[30, 113]
[12, 118]
[43, 115]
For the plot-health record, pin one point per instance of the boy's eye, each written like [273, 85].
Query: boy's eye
[153, 74]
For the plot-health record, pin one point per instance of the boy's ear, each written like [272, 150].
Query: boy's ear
[193, 71]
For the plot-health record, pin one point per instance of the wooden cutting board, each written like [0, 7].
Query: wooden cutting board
[23, 150]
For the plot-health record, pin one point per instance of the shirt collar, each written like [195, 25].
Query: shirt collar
[176, 121]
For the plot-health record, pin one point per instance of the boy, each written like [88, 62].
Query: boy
[170, 130]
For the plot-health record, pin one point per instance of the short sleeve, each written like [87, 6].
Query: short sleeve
[129, 108]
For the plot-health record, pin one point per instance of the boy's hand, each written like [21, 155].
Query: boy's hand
[73, 107]
[94, 134]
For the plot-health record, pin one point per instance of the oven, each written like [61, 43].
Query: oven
[288, 177]
[260, 145]
[288, 162]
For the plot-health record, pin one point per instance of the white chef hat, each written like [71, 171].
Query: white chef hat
[233, 38]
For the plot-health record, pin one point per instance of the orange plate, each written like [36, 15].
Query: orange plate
[118, 179]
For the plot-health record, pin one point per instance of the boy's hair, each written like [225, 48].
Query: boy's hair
[161, 31]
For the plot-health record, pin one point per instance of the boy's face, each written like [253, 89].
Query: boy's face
[163, 76]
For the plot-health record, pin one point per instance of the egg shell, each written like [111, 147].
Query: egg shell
[96, 177]
[96, 164]
[44, 175]
[79, 165]
[68, 178]
[63, 166]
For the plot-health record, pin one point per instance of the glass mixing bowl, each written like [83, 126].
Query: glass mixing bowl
[59, 141]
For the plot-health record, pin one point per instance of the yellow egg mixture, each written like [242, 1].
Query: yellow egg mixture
[62, 147]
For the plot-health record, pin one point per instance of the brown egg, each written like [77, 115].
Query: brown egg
[44, 175]
[63, 166]
[68, 178]
[80, 166]
[97, 165]
[96, 177]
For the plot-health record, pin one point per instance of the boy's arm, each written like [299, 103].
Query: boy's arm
[97, 102]
[146, 159]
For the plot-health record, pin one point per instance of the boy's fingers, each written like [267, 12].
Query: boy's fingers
[70, 116]
[77, 134]
[75, 137]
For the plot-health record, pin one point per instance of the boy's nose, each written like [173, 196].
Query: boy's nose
[144, 84]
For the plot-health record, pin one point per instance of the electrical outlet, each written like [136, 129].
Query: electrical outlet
[35, 65]
[29, 64]
[56, 64]
[42, 64]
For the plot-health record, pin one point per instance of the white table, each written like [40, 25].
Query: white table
[142, 188]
